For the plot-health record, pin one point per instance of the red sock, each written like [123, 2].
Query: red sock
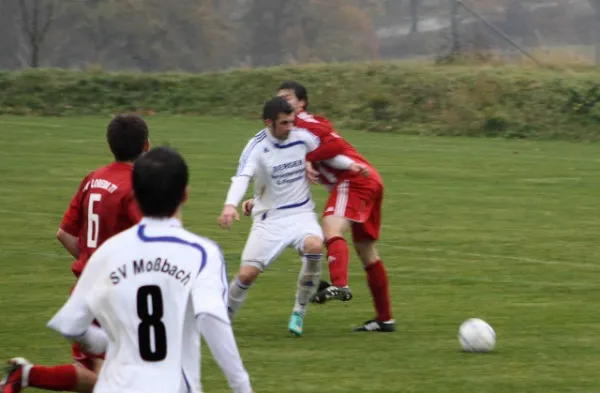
[57, 378]
[337, 256]
[380, 289]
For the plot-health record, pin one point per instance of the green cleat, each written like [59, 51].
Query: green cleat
[296, 323]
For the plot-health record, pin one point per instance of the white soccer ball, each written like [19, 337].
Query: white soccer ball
[476, 335]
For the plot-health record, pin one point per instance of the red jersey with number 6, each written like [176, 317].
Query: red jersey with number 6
[103, 207]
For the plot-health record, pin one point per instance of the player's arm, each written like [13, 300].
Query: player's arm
[322, 144]
[239, 184]
[340, 161]
[70, 226]
[69, 242]
[247, 206]
[312, 174]
[346, 163]
[329, 147]
[221, 342]
[209, 297]
[74, 320]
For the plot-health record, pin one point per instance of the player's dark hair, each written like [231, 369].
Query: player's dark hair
[127, 136]
[274, 107]
[299, 90]
[160, 178]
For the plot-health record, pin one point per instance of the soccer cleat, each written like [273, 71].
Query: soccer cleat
[377, 326]
[332, 293]
[296, 323]
[323, 285]
[15, 376]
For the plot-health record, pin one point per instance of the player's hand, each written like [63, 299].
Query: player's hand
[311, 173]
[227, 216]
[360, 168]
[247, 206]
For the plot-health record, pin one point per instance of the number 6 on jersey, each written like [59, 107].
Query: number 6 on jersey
[93, 222]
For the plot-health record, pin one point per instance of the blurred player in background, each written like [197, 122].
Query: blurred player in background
[354, 204]
[103, 206]
[282, 209]
[155, 288]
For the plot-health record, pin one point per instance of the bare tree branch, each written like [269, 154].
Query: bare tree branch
[35, 23]
[34, 20]
[49, 19]
[25, 18]
[23, 52]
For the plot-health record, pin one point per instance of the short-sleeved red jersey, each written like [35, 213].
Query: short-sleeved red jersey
[331, 141]
[103, 206]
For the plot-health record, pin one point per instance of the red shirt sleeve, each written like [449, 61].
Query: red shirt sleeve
[72, 222]
[330, 143]
[329, 147]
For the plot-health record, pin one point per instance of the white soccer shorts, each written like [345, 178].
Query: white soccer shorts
[268, 238]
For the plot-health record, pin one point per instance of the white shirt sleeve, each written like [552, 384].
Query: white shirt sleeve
[237, 190]
[340, 162]
[94, 341]
[75, 317]
[209, 298]
[249, 158]
[310, 140]
[246, 169]
[211, 288]
[221, 342]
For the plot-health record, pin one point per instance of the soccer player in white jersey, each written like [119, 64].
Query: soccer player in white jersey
[282, 210]
[147, 287]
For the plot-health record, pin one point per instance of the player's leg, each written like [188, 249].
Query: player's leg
[338, 256]
[78, 377]
[310, 248]
[239, 286]
[341, 207]
[69, 377]
[264, 245]
[378, 282]
[365, 236]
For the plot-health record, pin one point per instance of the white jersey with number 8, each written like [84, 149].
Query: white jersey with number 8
[145, 287]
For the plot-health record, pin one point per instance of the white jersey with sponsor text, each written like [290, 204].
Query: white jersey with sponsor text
[279, 172]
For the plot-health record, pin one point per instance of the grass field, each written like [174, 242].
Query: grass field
[507, 231]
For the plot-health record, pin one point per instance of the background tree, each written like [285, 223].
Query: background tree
[596, 6]
[36, 17]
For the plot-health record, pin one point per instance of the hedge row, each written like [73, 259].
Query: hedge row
[438, 100]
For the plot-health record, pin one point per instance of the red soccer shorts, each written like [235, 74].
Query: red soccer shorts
[359, 202]
[84, 359]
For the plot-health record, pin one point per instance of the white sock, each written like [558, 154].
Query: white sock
[238, 293]
[25, 369]
[308, 280]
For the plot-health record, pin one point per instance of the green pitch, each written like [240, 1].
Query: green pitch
[507, 231]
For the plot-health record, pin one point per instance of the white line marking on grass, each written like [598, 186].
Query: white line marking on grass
[46, 125]
[495, 256]
[442, 277]
[35, 254]
[551, 180]
[29, 213]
